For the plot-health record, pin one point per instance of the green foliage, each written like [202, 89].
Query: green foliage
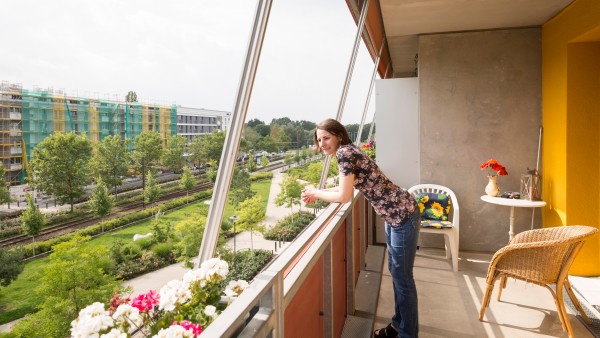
[187, 181]
[148, 148]
[73, 278]
[211, 174]
[250, 213]
[32, 220]
[247, 264]
[188, 236]
[161, 231]
[164, 250]
[251, 164]
[11, 264]
[290, 192]
[4, 190]
[289, 227]
[172, 158]
[264, 160]
[59, 166]
[111, 161]
[131, 96]
[240, 189]
[261, 176]
[101, 202]
[152, 190]
[207, 148]
[96, 229]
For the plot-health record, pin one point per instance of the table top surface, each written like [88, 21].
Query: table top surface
[513, 202]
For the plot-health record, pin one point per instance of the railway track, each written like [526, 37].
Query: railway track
[72, 226]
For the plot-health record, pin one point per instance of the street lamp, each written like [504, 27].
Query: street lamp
[234, 219]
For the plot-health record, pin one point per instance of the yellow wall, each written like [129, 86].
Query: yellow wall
[571, 122]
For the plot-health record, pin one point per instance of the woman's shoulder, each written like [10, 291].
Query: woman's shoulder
[347, 149]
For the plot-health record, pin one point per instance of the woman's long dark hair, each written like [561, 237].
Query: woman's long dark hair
[335, 128]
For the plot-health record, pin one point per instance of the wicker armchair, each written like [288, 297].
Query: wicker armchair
[542, 257]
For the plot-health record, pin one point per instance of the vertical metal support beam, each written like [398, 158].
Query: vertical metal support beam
[234, 132]
[350, 277]
[371, 128]
[361, 24]
[368, 100]
[328, 291]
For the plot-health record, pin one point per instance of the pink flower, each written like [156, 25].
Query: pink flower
[146, 301]
[186, 324]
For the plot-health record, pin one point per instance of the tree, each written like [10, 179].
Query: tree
[147, 148]
[152, 190]
[75, 276]
[101, 202]
[32, 220]
[264, 160]
[111, 161]
[212, 172]
[187, 182]
[240, 187]
[172, 158]
[287, 158]
[290, 193]
[208, 148]
[250, 213]
[4, 186]
[59, 166]
[11, 264]
[251, 165]
[131, 97]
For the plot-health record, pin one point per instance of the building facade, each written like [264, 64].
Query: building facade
[27, 117]
[192, 122]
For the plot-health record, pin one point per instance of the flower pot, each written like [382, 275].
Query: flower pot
[492, 189]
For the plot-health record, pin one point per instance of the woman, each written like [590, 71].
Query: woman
[397, 207]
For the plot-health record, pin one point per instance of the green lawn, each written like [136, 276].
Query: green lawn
[19, 298]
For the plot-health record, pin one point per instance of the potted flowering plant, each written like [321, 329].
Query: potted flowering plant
[494, 169]
[182, 308]
[369, 149]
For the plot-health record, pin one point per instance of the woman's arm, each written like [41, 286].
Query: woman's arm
[342, 194]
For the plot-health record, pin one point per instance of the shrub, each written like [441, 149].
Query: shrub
[148, 262]
[247, 265]
[164, 251]
[289, 227]
[131, 251]
[261, 176]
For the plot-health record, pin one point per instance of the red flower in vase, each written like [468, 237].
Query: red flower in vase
[494, 166]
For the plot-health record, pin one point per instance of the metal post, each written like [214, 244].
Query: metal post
[361, 24]
[234, 132]
[234, 219]
[373, 77]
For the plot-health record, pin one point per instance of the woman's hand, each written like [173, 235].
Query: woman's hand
[308, 194]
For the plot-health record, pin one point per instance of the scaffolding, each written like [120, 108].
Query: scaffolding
[27, 117]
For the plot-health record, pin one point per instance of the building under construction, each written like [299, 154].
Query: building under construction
[29, 116]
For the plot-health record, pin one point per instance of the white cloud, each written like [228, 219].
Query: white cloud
[188, 52]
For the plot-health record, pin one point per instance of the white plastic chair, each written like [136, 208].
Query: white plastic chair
[451, 236]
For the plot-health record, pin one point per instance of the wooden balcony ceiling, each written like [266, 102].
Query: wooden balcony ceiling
[405, 20]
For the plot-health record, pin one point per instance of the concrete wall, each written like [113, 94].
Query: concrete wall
[480, 98]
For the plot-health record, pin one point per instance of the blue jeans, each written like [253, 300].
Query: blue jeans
[402, 248]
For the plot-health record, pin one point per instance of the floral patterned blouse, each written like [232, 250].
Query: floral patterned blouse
[391, 202]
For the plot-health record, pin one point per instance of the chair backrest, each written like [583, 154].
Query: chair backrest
[439, 189]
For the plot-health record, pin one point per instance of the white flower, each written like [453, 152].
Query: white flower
[196, 275]
[91, 321]
[211, 311]
[176, 292]
[216, 269]
[230, 294]
[237, 286]
[175, 331]
[114, 333]
[126, 313]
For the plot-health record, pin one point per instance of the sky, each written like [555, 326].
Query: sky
[189, 53]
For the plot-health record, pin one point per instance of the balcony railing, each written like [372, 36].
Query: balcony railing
[300, 281]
